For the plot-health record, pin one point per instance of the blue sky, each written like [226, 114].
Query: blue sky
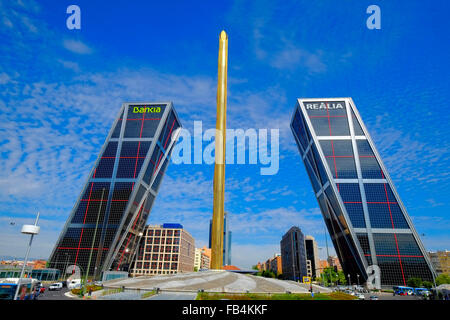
[60, 90]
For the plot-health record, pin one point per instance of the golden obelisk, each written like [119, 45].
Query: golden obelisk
[219, 167]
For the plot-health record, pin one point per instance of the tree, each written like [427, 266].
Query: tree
[341, 278]
[442, 279]
[330, 276]
[255, 267]
[427, 284]
[414, 282]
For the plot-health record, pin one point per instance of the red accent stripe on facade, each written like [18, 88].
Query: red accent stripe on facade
[156, 167]
[327, 116]
[349, 156]
[123, 157]
[84, 220]
[141, 119]
[69, 248]
[394, 256]
[101, 200]
[371, 202]
[395, 236]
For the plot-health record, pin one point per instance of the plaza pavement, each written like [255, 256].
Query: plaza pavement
[211, 281]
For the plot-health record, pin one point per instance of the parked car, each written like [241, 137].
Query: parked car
[360, 296]
[373, 298]
[55, 286]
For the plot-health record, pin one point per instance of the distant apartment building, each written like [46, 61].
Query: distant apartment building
[198, 259]
[206, 251]
[202, 258]
[293, 254]
[205, 258]
[39, 264]
[276, 265]
[260, 266]
[312, 254]
[272, 264]
[323, 264]
[440, 261]
[333, 261]
[164, 249]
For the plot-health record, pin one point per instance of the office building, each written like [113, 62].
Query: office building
[440, 261]
[164, 249]
[226, 240]
[370, 228]
[109, 216]
[312, 254]
[293, 254]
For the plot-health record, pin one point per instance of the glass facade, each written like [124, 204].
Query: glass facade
[293, 255]
[116, 201]
[368, 224]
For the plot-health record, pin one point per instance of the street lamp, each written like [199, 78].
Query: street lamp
[65, 267]
[358, 278]
[32, 230]
[349, 281]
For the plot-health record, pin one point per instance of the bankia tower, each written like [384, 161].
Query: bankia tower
[108, 219]
[371, 231]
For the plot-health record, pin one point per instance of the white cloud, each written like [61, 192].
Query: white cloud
[77, 46]
[291, 57]
[70, 65]
[4, 78]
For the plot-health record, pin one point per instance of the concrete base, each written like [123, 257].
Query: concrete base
[212, 281]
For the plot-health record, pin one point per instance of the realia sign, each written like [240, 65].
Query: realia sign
[325, 105]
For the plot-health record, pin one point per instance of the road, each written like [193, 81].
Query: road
[390, 296]
[54, 295]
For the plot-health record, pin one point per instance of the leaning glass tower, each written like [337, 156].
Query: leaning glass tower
[371, 231]
[108, 219]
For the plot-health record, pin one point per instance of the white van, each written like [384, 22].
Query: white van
[74, 284]
[55, 286]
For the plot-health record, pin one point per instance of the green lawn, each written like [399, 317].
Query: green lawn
[275, 296]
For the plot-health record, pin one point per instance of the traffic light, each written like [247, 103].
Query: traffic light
[335, 269]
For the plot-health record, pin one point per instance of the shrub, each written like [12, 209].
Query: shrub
[415, 282]
[442, 279]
